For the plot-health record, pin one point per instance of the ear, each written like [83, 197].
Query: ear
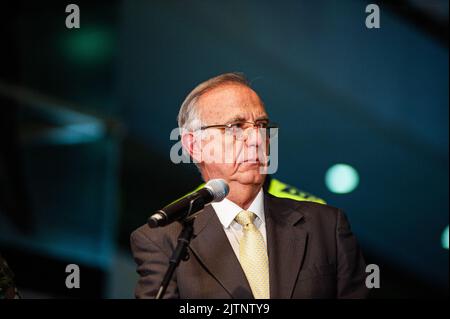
[192, 144]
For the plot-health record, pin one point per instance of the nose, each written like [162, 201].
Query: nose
[253, 136]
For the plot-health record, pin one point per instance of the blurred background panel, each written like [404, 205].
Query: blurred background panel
[86, 116]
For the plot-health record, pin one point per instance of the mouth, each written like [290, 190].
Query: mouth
[251, 162]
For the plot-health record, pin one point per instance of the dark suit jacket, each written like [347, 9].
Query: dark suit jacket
[312, 254]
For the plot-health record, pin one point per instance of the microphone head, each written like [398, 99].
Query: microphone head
[219, 189]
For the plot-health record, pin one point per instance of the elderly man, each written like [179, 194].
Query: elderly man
[251, 244]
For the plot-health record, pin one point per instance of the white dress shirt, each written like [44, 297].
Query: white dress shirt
[226, 210]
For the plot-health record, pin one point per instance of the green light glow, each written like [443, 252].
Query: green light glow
[444, 238]
[88, 45]
[341, 178]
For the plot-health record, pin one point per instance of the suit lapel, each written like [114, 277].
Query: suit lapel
[212, 248]
[286, 246]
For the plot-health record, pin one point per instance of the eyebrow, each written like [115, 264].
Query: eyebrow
[239, 118]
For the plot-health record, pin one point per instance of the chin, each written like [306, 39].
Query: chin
[250, 177]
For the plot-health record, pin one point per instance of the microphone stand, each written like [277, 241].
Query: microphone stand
[180, 251]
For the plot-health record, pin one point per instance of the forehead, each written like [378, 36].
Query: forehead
[229, 101]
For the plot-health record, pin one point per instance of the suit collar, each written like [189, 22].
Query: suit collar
[286, 241]
[211, 247]
[281, 212]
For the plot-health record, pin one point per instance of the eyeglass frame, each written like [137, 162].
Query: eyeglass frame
[270, 125]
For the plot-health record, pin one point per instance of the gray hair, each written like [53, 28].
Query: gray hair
[189, 117]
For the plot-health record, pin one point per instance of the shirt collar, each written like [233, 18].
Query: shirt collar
[226, 210]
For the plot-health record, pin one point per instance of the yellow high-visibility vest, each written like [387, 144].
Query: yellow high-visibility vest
[282, 190]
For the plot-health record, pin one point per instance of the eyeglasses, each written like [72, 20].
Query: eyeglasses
[238, 128]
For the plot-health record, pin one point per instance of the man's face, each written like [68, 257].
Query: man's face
[243, 159]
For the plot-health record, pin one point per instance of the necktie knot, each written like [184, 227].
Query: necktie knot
[245, 218]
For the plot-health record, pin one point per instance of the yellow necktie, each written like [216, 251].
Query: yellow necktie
[253, 256]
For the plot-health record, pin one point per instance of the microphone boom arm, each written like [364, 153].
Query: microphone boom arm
[180, 251]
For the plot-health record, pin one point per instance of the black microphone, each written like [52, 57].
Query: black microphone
[214, 191]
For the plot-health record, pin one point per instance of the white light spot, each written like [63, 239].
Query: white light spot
[341, 178]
